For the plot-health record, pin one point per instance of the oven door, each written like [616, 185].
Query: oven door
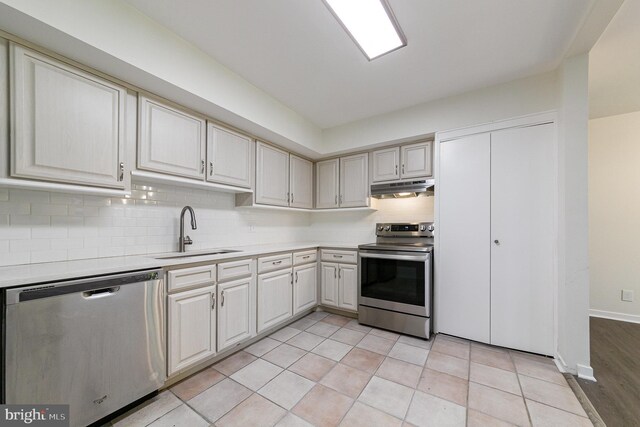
[397, 281]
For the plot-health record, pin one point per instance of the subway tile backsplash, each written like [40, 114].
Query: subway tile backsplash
[39, 226]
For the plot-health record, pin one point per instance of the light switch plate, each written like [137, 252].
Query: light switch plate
[627, 295]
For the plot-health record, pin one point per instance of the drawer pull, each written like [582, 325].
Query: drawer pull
[337, 256]
[306, 257]
[277, 262]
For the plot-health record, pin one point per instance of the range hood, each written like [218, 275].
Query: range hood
[402, 189]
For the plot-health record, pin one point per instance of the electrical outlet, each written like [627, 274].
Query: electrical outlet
[627, 295]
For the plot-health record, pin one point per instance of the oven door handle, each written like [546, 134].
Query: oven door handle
[378, 255]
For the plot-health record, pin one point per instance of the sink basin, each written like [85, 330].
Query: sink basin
[190, 255]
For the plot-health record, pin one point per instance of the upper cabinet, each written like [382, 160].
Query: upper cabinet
[416, 160]
[229, 157]
[386, 164]
[301, 182]
[68, 125]
[342, 183]
[282, 179]
[407, 161]
[354, 174]
[327, 183]
[170, 140]
[272, 175]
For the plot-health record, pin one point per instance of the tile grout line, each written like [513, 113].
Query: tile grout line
[468, 386]
[524, 400]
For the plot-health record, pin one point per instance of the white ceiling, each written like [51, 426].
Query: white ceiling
[614, 65]
[297, 52]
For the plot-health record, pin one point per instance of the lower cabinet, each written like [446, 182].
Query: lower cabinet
[274, 298]
[192, 327]
[234, 312]
[305, 290]
[339, 285]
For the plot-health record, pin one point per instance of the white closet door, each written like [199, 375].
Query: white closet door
[523, 182]
[462, 288]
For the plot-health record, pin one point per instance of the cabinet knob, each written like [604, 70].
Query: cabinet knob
[497, 242]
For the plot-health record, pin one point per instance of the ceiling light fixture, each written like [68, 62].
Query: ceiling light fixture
[370, 23]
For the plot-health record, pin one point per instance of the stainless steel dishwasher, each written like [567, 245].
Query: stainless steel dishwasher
[95, 344]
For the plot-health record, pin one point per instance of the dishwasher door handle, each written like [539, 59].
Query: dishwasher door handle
[100, 293]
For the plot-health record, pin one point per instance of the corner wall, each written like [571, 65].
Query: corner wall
[614, 210]
[573, 227]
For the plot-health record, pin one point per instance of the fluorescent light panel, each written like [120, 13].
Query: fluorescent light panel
[370, 24]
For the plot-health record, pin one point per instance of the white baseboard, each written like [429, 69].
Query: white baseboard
[561, 365]
[612, 315]
[586, 373]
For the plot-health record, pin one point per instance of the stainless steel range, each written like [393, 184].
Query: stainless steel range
[395, 279]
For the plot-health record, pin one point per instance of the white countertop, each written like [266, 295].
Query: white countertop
[29, 274]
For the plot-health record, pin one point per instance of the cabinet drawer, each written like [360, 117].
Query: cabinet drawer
[334, 255]
[235, 269]
[191, 277]
[274, 262]
[305, 257]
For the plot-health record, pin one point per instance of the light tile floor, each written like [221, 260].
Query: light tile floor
[327, 370]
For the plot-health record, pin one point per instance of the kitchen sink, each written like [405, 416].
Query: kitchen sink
[190, 255]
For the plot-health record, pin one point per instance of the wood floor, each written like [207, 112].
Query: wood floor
[615, 358]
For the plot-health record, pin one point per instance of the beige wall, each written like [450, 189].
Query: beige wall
[614, 212]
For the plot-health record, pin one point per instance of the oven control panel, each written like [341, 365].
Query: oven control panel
[414, 229]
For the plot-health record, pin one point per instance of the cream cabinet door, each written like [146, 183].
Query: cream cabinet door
[234, 312]
[229, 157]
[329, 283]
[416, 160]
[192, 327]
[171, 140]
[68, 125]
[354, 181]
[301, 182]
[385, 164]
[327, 183]
[348, 287]
[275, 298]
[305, 289]
[272, 176]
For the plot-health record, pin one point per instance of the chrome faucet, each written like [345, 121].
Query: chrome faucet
[183, 241]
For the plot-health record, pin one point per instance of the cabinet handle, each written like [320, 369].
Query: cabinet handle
[288, 197]
[339, 273]
[403, 168]
[396, 169]
[277, 262]
[210, 168]
[337, 256]
[296, 277]
[306, 257]
[291, 197]
[222, 299]
[341, 199]
[201, 166]
[335, 273]
[121, 177]
[336, 200]
[213, 301]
